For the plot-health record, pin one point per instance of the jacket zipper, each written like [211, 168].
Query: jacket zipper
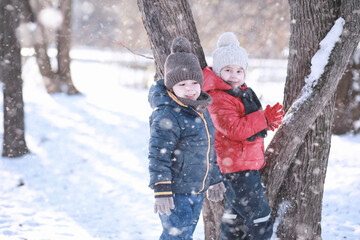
[208, 151]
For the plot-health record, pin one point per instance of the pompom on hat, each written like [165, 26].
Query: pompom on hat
[229, 52]
[181, 64]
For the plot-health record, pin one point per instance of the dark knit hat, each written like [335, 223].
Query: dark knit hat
[181, 64]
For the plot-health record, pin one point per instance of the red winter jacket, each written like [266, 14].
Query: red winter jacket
[234, 152]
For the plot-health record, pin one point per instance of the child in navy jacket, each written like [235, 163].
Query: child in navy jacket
[181, 148]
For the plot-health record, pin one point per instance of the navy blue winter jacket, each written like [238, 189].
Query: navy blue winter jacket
[181, 146]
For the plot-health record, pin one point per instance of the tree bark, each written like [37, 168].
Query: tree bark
[165, 20]
[298, 154]
[212, 215]
[14, 144]
[64, 46]
[60, 80]
[347, 106]
[51, 80]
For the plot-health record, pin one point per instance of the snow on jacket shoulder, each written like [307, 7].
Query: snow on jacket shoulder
[181, 145]
[233, 127]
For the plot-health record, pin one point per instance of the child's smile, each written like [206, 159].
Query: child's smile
[189, 89]
[234, 75]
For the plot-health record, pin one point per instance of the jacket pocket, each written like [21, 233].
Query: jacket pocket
[253, 151]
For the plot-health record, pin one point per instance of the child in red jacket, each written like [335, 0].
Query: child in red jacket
[241, 125]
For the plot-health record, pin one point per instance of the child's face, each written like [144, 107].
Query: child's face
[189, 89]
[233, 74]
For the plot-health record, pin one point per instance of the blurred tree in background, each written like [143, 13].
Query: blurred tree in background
[52, 20]
[14, 144]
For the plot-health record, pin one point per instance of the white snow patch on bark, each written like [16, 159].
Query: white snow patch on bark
[318, 63]
[280, 216]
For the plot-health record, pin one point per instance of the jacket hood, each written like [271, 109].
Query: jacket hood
[158, 95]
[213, 82]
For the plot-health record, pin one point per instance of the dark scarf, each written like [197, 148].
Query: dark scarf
[251, 104]
[199, 104]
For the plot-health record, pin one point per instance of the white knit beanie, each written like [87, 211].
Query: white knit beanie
[229, 52]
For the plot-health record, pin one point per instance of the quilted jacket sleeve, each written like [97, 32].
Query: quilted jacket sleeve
[164, 134]
[228, 115]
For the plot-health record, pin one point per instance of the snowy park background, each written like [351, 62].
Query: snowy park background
[86, 177]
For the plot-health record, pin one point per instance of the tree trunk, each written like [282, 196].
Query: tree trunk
[165, 20]
[64, 45]
[347, 106]
[51, 80]
[212, 215]
[60, 80]
[298, 154]
[14, 144]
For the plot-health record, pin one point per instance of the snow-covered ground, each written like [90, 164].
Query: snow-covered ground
[87, 178]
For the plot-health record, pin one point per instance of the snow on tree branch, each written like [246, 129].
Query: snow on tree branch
[318, 63]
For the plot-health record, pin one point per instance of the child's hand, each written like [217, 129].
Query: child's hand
[274, 116]
[163, 205]
[215, 192]
[271, 127]
[274, 125]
